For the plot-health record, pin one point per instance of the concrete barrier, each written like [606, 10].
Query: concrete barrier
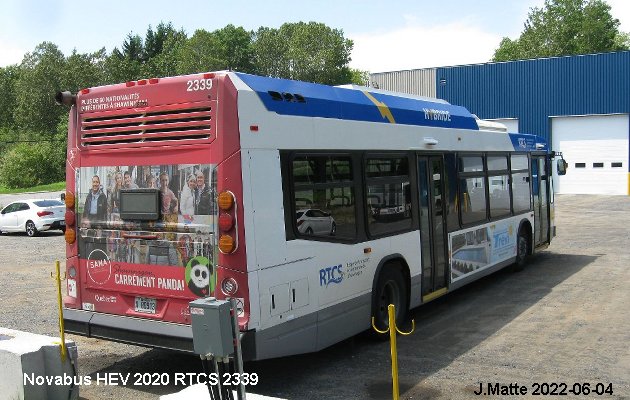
[31, 367]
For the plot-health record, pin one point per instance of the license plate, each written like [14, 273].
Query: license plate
[146, 305]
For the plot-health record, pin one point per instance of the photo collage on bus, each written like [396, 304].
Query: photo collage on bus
[480, 247]
[181, 236]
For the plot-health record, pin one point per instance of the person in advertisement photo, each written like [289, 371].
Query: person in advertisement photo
[169, 200]
[203, 196]
[95, 207]
[129, 184]
[114, 195]
[187, 199]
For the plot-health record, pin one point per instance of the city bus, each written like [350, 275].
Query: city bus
[315, 207]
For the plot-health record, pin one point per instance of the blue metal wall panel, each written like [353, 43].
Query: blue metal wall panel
[534, 90]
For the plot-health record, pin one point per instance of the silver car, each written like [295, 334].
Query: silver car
[33, 216]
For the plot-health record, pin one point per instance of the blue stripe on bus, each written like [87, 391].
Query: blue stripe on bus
[525, 142]
[352, 104]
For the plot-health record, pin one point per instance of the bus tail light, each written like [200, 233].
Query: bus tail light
[70, 235]
[227, 244]
[227, 222]
[226, 200]
[70, 218]
[69, 200]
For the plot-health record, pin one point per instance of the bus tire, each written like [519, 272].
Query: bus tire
[390, 289]
[522, 249]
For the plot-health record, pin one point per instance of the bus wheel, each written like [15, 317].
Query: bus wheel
[522, 250]
[390, 289]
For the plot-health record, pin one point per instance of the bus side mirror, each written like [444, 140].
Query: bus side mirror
[562, 166]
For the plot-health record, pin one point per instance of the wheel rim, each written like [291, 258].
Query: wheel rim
[30, 229]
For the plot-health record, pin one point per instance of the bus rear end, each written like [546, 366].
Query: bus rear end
[146, 163]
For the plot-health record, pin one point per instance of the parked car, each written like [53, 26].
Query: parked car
[33, 216]
[312, 221]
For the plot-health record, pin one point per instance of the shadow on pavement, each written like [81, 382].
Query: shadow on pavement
[360, 367]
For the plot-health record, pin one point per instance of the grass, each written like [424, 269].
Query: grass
[51, 187]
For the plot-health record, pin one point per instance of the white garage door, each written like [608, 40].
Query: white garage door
[596, 149]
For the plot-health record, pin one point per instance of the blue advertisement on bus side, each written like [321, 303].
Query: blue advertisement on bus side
[479, 248]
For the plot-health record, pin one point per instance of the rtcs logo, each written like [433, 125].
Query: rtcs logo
[330, 275]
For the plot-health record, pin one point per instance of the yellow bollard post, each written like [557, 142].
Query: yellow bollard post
[393, 329]
[392, 338]
[59, 302]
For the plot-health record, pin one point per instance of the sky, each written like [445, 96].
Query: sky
[387, 35]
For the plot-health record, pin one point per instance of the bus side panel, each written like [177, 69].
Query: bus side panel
[331, 281]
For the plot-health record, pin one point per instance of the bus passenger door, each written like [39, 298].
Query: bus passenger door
[432, 227]
[540, 186]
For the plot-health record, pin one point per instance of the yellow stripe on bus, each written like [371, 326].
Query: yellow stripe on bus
[382, 108]
[434, 295]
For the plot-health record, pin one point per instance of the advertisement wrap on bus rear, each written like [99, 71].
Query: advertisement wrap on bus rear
[144, 257]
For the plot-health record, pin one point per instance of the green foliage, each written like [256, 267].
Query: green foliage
[310, 52]
[565, 27]
[162, 51]
[39, 79]
[26, 165]
[199, 53]
[51, 187]
[359, 77]
[33, 129]
[8, 79]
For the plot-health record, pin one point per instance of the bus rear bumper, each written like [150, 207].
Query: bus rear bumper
[137, 331]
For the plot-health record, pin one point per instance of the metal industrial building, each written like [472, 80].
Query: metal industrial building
[580, 104]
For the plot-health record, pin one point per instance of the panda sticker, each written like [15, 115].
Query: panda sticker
[199, 276]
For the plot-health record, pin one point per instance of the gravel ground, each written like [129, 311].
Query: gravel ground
[564, 319]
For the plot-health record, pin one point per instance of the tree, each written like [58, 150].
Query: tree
[235, 48]
[41, 76]
[304, 51]
[162, 49]
[8, 79]
[359, 77]
[84, 70]
[200, 53]
[564, 27]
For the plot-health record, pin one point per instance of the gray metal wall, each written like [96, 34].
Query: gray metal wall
[420, 82]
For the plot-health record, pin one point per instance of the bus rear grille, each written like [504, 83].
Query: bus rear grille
[174, 122]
